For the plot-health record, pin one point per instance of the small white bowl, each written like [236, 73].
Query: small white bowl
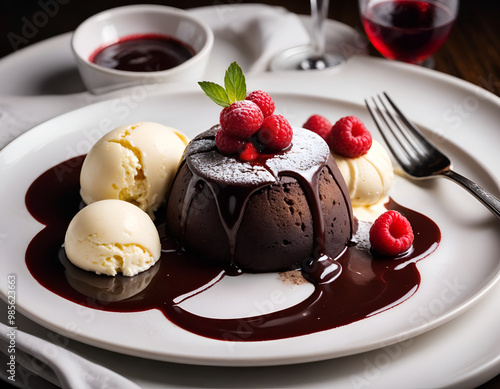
[109, 26]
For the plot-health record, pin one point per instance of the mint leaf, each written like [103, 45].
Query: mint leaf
[215, 92]
[234, 81]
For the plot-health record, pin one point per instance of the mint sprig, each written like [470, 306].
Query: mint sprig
[234, 89]
[215, 92]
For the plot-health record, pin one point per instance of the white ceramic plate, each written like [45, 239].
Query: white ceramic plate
[453, 278]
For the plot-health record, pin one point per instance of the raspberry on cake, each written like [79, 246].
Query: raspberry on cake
[241, 119]
[249, 152]
[228, 144]
[275, 133]
[263, 100]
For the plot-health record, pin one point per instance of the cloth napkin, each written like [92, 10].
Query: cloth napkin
[259, 31]
[58, 365]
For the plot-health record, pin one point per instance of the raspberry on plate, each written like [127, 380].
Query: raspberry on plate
[320, 125]
[391, 234]
[263, 100]
[227, 144]
[241, 119]
[275, 133]
[350, 138]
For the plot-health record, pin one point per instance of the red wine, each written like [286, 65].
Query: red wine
[409, 31]
[143, 53]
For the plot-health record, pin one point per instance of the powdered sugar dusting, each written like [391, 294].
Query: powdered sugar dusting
[202, 142]
[362, 236]
[215, 167]
[200, 146]
[308, 151]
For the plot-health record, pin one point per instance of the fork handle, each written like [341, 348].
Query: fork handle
[489, 201]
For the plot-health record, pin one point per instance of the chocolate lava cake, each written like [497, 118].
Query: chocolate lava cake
[271, 214]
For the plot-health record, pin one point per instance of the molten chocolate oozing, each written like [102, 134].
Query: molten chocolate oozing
[266, 215]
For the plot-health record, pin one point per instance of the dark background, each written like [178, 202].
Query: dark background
[472, 52]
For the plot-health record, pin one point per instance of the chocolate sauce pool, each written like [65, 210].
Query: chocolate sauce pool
[367, 283]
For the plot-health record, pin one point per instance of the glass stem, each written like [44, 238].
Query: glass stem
[319, 12]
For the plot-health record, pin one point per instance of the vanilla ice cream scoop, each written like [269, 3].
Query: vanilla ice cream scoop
[135, 163]
[369, 179]
[112, 236]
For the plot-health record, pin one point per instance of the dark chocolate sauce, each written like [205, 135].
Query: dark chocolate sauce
[143, 53]
[230, 216]
[367, 284]
[322, 268]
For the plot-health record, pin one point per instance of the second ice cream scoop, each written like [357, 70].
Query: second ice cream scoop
[112, 236]
[369, 179]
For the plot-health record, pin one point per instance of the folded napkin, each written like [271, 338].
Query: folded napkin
[260, 31]
[250, 34]
[58, 365]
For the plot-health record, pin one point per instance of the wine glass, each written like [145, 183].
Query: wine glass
[408, 30]
[313, 56]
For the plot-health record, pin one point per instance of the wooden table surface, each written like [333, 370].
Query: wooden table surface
[471, 53]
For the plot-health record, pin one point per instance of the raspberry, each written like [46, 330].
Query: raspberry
[227, 144]
[275, 133]
[320, 125]
[391, 234]
[241, 119]
[263, 100]
[222, 115]
[350, 138]
[249, 152]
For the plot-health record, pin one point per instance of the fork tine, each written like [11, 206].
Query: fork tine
[415, 140]
[401, 135]
[408, 137]
[387, 132]
[415, 131]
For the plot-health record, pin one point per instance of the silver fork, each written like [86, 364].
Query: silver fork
[415, 154]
